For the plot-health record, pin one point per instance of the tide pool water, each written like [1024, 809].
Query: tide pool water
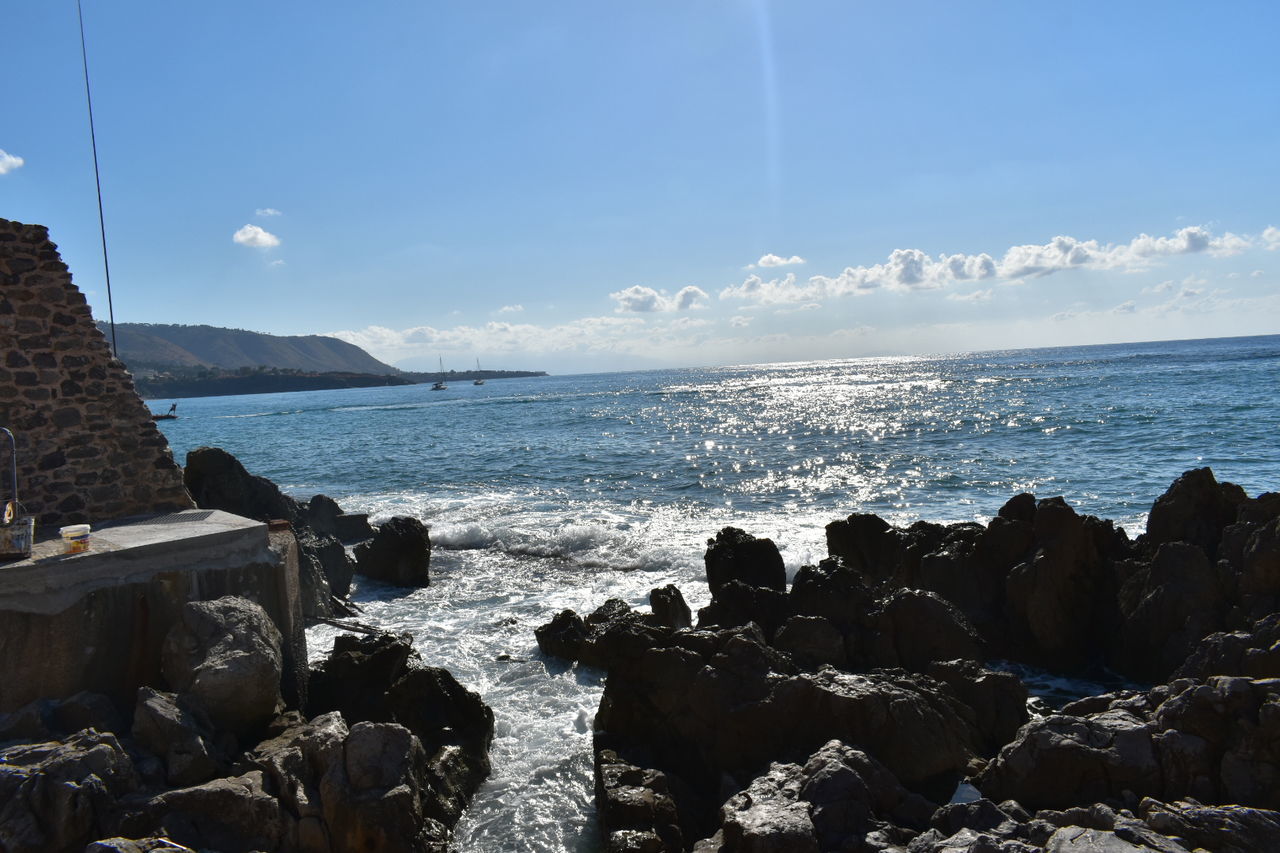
[559, 492]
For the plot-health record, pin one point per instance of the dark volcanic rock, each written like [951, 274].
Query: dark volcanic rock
[1194, 510]
[399, 554]
[735, 555]
[226, 655]
[61, 795]
[736, 603]
[1254, 653]
[1217, 741]
[379, 679]
[1168, 607]
[1224, 829]
[563, 636]
[835, 591]
[914, 628]
[669, 607]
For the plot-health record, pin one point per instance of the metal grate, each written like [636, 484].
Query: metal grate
[178, 517]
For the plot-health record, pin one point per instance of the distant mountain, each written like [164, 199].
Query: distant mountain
[158, 347]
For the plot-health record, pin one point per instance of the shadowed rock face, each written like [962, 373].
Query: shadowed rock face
[399, 553]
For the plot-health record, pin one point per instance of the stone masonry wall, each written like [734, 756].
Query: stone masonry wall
[87, 447]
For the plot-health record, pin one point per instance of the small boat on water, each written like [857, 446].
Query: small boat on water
[171, 415]
[439, 383]
[479, 380]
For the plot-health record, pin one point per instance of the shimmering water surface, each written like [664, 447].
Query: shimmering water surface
[558, 492]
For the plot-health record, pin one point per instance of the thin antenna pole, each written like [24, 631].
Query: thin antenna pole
[97, 178]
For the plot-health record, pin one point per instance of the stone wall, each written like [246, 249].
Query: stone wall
[87, 447]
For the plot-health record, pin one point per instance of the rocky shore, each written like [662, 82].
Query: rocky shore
[371, 750]
[844, 713]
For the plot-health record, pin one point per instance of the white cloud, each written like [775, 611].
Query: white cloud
[268, 211]
[1257, 274]
[1162, 287]
[914, 269]
[1128, 307]
[772, 260]
[511, 309]
[1270, 235]
[9, 162]
[739, 322]
[639, 299]
[252, 235]
[276, 263]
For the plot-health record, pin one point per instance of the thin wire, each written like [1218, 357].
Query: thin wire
[93, 139]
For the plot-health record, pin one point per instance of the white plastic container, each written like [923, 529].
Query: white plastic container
[75, 537]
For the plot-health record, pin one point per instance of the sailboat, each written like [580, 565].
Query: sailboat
[439, 384]
[479, 380]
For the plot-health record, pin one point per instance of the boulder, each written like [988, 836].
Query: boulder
[1224, 829]
[399, 554]
[327, 518]
[1061, 761]
[1060, 604]
[1168, 607]
[915, 628]
[735, 555]
[634, 806]
[1195, 510]
[61, 795]
[235, 814]
[867, 544]
[835, 591]
[563, 636]
[669, 608]
[736, 603]
[998, 700]
[768, 817]
[1254, 653]
[226, 656]
[180, 737]
[811, 642]
[379, 679]
[49, 719]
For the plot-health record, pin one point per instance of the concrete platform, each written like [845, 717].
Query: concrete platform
[130, 550]
[96, 620]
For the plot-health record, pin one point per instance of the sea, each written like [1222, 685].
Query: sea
[563, 491]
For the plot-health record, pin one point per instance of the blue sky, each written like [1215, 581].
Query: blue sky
[580, 186]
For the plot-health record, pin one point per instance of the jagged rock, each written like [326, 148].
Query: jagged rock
[736, 603]
[835, 591]
[1061, 603]
[563, 636]
[47, 719]
[1261, 575]
[226, 655]
[915, 628]
[669, 608]
[379, 679]
[998, 699]
[1167, 608]
[1061, 761]
[181, 737]
[327, 518]
[1254, 653]
[399, 554]
[234, 814]
[811, 641]
[61, 795]
[727, 703]
[735, 555]
[768, 817]
[866, 544]
[1223, 829]
[634, 805]
[616, 632]
[375, 798]
[1195, 509]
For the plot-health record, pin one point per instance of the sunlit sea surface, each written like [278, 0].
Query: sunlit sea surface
[562, 491]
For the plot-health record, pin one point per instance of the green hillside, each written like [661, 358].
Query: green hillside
[147, 347]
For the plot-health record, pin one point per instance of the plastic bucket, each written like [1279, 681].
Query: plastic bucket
[75, 537]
